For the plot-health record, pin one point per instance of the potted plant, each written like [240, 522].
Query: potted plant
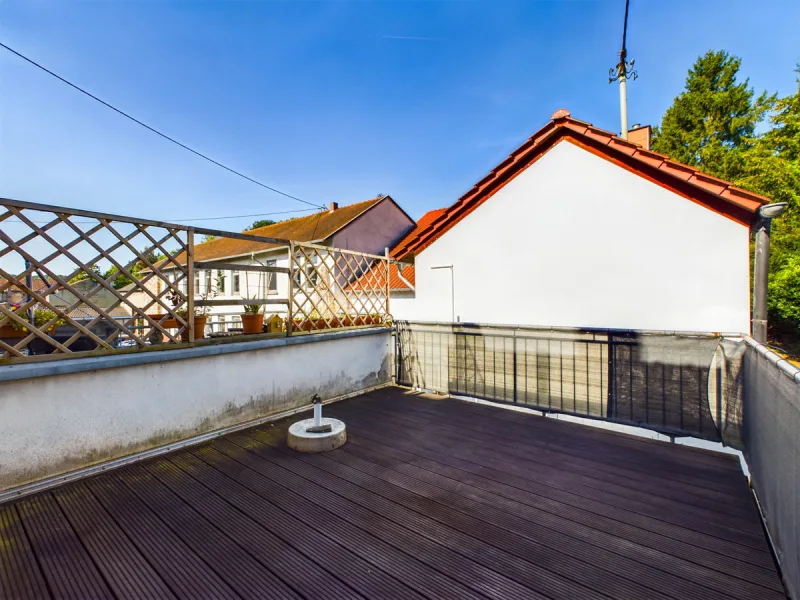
[200, 312]
[200, 318]
[40, 317]
[252, 319]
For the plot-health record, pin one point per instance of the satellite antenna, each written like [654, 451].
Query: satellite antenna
[622, 72]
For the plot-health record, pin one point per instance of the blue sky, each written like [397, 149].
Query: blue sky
[334, 101]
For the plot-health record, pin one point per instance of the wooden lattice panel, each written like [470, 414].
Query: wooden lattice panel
[332, 287]
[85, 279]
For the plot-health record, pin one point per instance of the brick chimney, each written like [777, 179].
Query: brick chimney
[640, 135]
[333, 206]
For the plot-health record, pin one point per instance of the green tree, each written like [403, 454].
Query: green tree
[209, 238]
[772, 168]
[122, 280]
[261, 223]
[712, 125]
[96, 275]
[714, 119]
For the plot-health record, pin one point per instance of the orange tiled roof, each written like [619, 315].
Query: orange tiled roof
[317, 226]
[38, 284]
[716, 194]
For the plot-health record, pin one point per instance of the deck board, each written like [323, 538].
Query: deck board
[430, 498]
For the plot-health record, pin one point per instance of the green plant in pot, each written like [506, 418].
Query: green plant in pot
[252, 319]
[200, 312]
[41, 317]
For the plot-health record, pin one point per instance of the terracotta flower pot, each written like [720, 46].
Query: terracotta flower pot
[199, 329]
[7, 331]
[252, 323]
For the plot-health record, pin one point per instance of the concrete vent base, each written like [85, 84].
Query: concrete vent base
[302, 441]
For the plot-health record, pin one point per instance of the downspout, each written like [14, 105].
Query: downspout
[403, 279]
[761, 269]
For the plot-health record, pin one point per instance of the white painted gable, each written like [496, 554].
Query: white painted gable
[575, 240]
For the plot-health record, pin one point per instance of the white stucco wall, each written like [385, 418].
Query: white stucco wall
[53, 424]
[577, 241]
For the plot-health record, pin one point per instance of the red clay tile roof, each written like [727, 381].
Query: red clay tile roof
[38, 285]
[715, 194]
[317, 226]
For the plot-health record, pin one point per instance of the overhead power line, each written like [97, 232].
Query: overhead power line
[156, 131]
[267, 214]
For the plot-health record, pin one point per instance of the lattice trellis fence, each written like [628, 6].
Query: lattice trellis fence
[74, 282]
[332, 287]
[66, 264]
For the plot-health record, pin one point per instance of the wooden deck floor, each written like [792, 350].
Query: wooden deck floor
[428, 499]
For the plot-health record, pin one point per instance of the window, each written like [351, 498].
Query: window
[222, 327]
[208, 282]
[235, 282]
[272, 278]
[220, 282]
[308, 280]
[197, 281]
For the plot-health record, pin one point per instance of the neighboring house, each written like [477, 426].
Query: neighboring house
[401, 280]
[581, 228]
[101, 298]
[15, 295]
[369, 226]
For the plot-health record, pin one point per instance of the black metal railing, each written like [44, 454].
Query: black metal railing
[657, 381]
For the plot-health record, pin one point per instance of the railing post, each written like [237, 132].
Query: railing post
[515, 367]
[611, 377]
[290, 291]
[190, 283]
[388, 285]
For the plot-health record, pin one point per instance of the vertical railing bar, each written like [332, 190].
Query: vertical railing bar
[190, 291]
[602, 368]
[515, 366]
[680, 383]
[474, 366]
[537, 371]
[484, 367]
[455, 341]
[549, 377]
[525, 346]
[290, 292]
[388, 285]
[561, 371]
[574, 375]
[663, 394]
[494, 367]
[612, 356]
[646, 388]
[700, 399]
[588, 409]
[630, 380]
[505, 371]
[441, 354]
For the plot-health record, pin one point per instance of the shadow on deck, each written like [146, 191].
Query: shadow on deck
[429, 498]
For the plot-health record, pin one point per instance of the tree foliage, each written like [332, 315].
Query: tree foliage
[261, 223]
[719, 125]
[713, 119]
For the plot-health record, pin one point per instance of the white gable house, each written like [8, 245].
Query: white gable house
[579, 228]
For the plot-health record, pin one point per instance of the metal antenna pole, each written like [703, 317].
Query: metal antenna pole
[622, 72]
